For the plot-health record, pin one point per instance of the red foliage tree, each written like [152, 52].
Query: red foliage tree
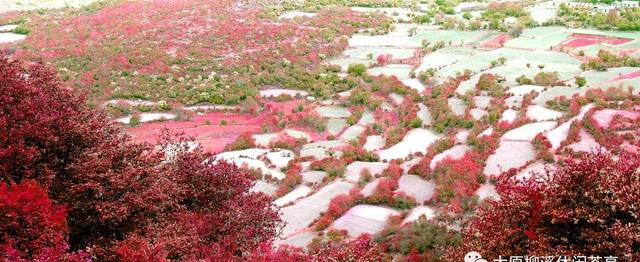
[188, 208]
[171, 201]
[44, 128]
[586, 207]
[32, 226]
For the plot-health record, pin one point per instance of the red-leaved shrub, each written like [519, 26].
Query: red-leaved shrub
[243, 141]
[585, 207]
[337, 207]
[361, 249]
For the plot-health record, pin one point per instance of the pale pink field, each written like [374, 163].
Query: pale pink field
[580, 40]
[209, 131]
[631, 75]
[205, 129]
[495, 42]
[604, 117]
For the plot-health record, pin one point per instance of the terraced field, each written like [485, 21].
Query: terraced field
[355, 127]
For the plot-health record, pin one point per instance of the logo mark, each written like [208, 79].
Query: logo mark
[474, 257]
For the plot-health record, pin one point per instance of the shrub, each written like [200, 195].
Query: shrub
[337, 206]
[315, 121]
[546, 78]
[334, 167]
[335, 249]
[607, 60]
[393, 170]
[288, 142]
[357, 153]
[515, 32]
[355, 116]
[442, 144]
[581, 81]
[415, 123]
[243, 141]
[456, 179]
[384, 192]
[21, 30]
[426, 75]
[542, 146]
[449, 121]
[422, 19]
[422, 168]
[422, 237]
[284, 253]
[197, 223]
[357, 69]
[292, 179]
[489, 82]
[403, 202]
[523, 80]
[283, 98]
[164, 106]
[360, 97]
[383, 59]
[134, 120]
[394, 134]
[361, 249]
[365, 177]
